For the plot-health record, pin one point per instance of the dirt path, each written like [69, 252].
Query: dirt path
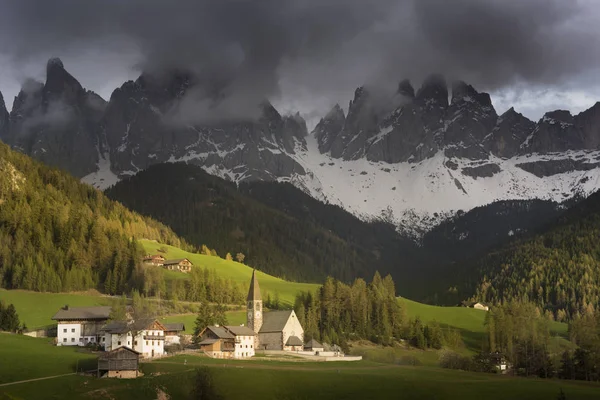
[35, 379]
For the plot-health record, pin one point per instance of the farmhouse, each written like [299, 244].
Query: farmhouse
[173, 332]
[479, 306]
[276, 330]
[227, 341]
[155, 259]
[146, 336]
[180, 264]
[122, 362]
[79, 326]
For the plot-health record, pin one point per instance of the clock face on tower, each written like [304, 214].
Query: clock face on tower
[249, 314]
[257, 315]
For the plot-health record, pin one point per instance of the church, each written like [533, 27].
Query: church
[275, 330]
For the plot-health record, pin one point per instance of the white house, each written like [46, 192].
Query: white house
[146, 336]
[244, 341]
[80, 326]
[480, 306]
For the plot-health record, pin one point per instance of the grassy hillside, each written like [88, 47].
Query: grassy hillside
[235, 271]
[28, 358]
[189, 320]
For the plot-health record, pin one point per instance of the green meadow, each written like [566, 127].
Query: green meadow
[36, 309]
[262, 379]
[235, 271]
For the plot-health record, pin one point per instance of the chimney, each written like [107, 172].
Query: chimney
[66, 307]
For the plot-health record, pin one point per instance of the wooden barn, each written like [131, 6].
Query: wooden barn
[122, 362]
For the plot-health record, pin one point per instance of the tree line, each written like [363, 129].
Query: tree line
[339, 312]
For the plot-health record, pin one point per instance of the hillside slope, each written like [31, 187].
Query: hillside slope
[57, 234]
[557, 268]
[277, 227]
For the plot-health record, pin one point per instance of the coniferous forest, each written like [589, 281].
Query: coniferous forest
[557, 269]
[57, 234]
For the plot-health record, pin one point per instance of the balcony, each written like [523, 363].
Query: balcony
[153, 337]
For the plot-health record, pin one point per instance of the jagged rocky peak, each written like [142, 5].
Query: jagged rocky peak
[564, 116]
[60, 83]
[329, 127]
[268, 112]
[461, 91]
[406, 89]
[434, 88]
[511, 130]
[4, 118]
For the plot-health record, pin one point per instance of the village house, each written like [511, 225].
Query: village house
[80, 326]
[227, 341]
[155, 259]
[173, 332]
[146, 336]
[121, 362]
[180, 264]
[275, 330]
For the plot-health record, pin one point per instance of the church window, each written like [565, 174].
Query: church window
[119, 343]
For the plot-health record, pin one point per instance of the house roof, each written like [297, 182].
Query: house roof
[274, 321]
[254, 291]
[109, 354]
[313, 344]
[119, 327]
[174, 261]
[66, 313]
[221, 332]
[240, 330]
[176, 326]
[294, 341]
[116, 327]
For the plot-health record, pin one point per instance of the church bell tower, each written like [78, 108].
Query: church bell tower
[254, 307]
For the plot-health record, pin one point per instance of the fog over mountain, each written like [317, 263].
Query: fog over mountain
[308, 55]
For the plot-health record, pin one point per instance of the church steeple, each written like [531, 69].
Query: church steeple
[254, 305]
[254, 292]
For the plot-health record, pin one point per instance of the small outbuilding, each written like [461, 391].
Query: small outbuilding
[122, 362]
[313, 346]
[480, 306]
[173, 333]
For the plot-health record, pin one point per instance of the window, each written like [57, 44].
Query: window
[86, 339]
[128, 343]
[72, 339]
[65, 330]
[119, 343]
[146, 343]
[104, 339]
[250, 346]
[64, 340]
[135, 343]
[81, 339]
[73, 330]
[92, 339]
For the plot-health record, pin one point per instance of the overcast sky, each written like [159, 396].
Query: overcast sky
[535, 55]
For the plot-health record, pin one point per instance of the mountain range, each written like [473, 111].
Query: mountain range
[414, 160]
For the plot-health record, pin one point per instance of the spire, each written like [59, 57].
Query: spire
[254, 292]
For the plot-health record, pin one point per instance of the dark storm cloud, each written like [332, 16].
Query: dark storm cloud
[318, 49]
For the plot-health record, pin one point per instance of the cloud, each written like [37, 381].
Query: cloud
[313, 52]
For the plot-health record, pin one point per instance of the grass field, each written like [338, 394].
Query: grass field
[22, 357]
[36, 309]
[264, 380]
[235, 271]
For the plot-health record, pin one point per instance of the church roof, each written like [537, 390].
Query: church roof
[274, 321]
[254, 292]
[293, 341]
[313, 344]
